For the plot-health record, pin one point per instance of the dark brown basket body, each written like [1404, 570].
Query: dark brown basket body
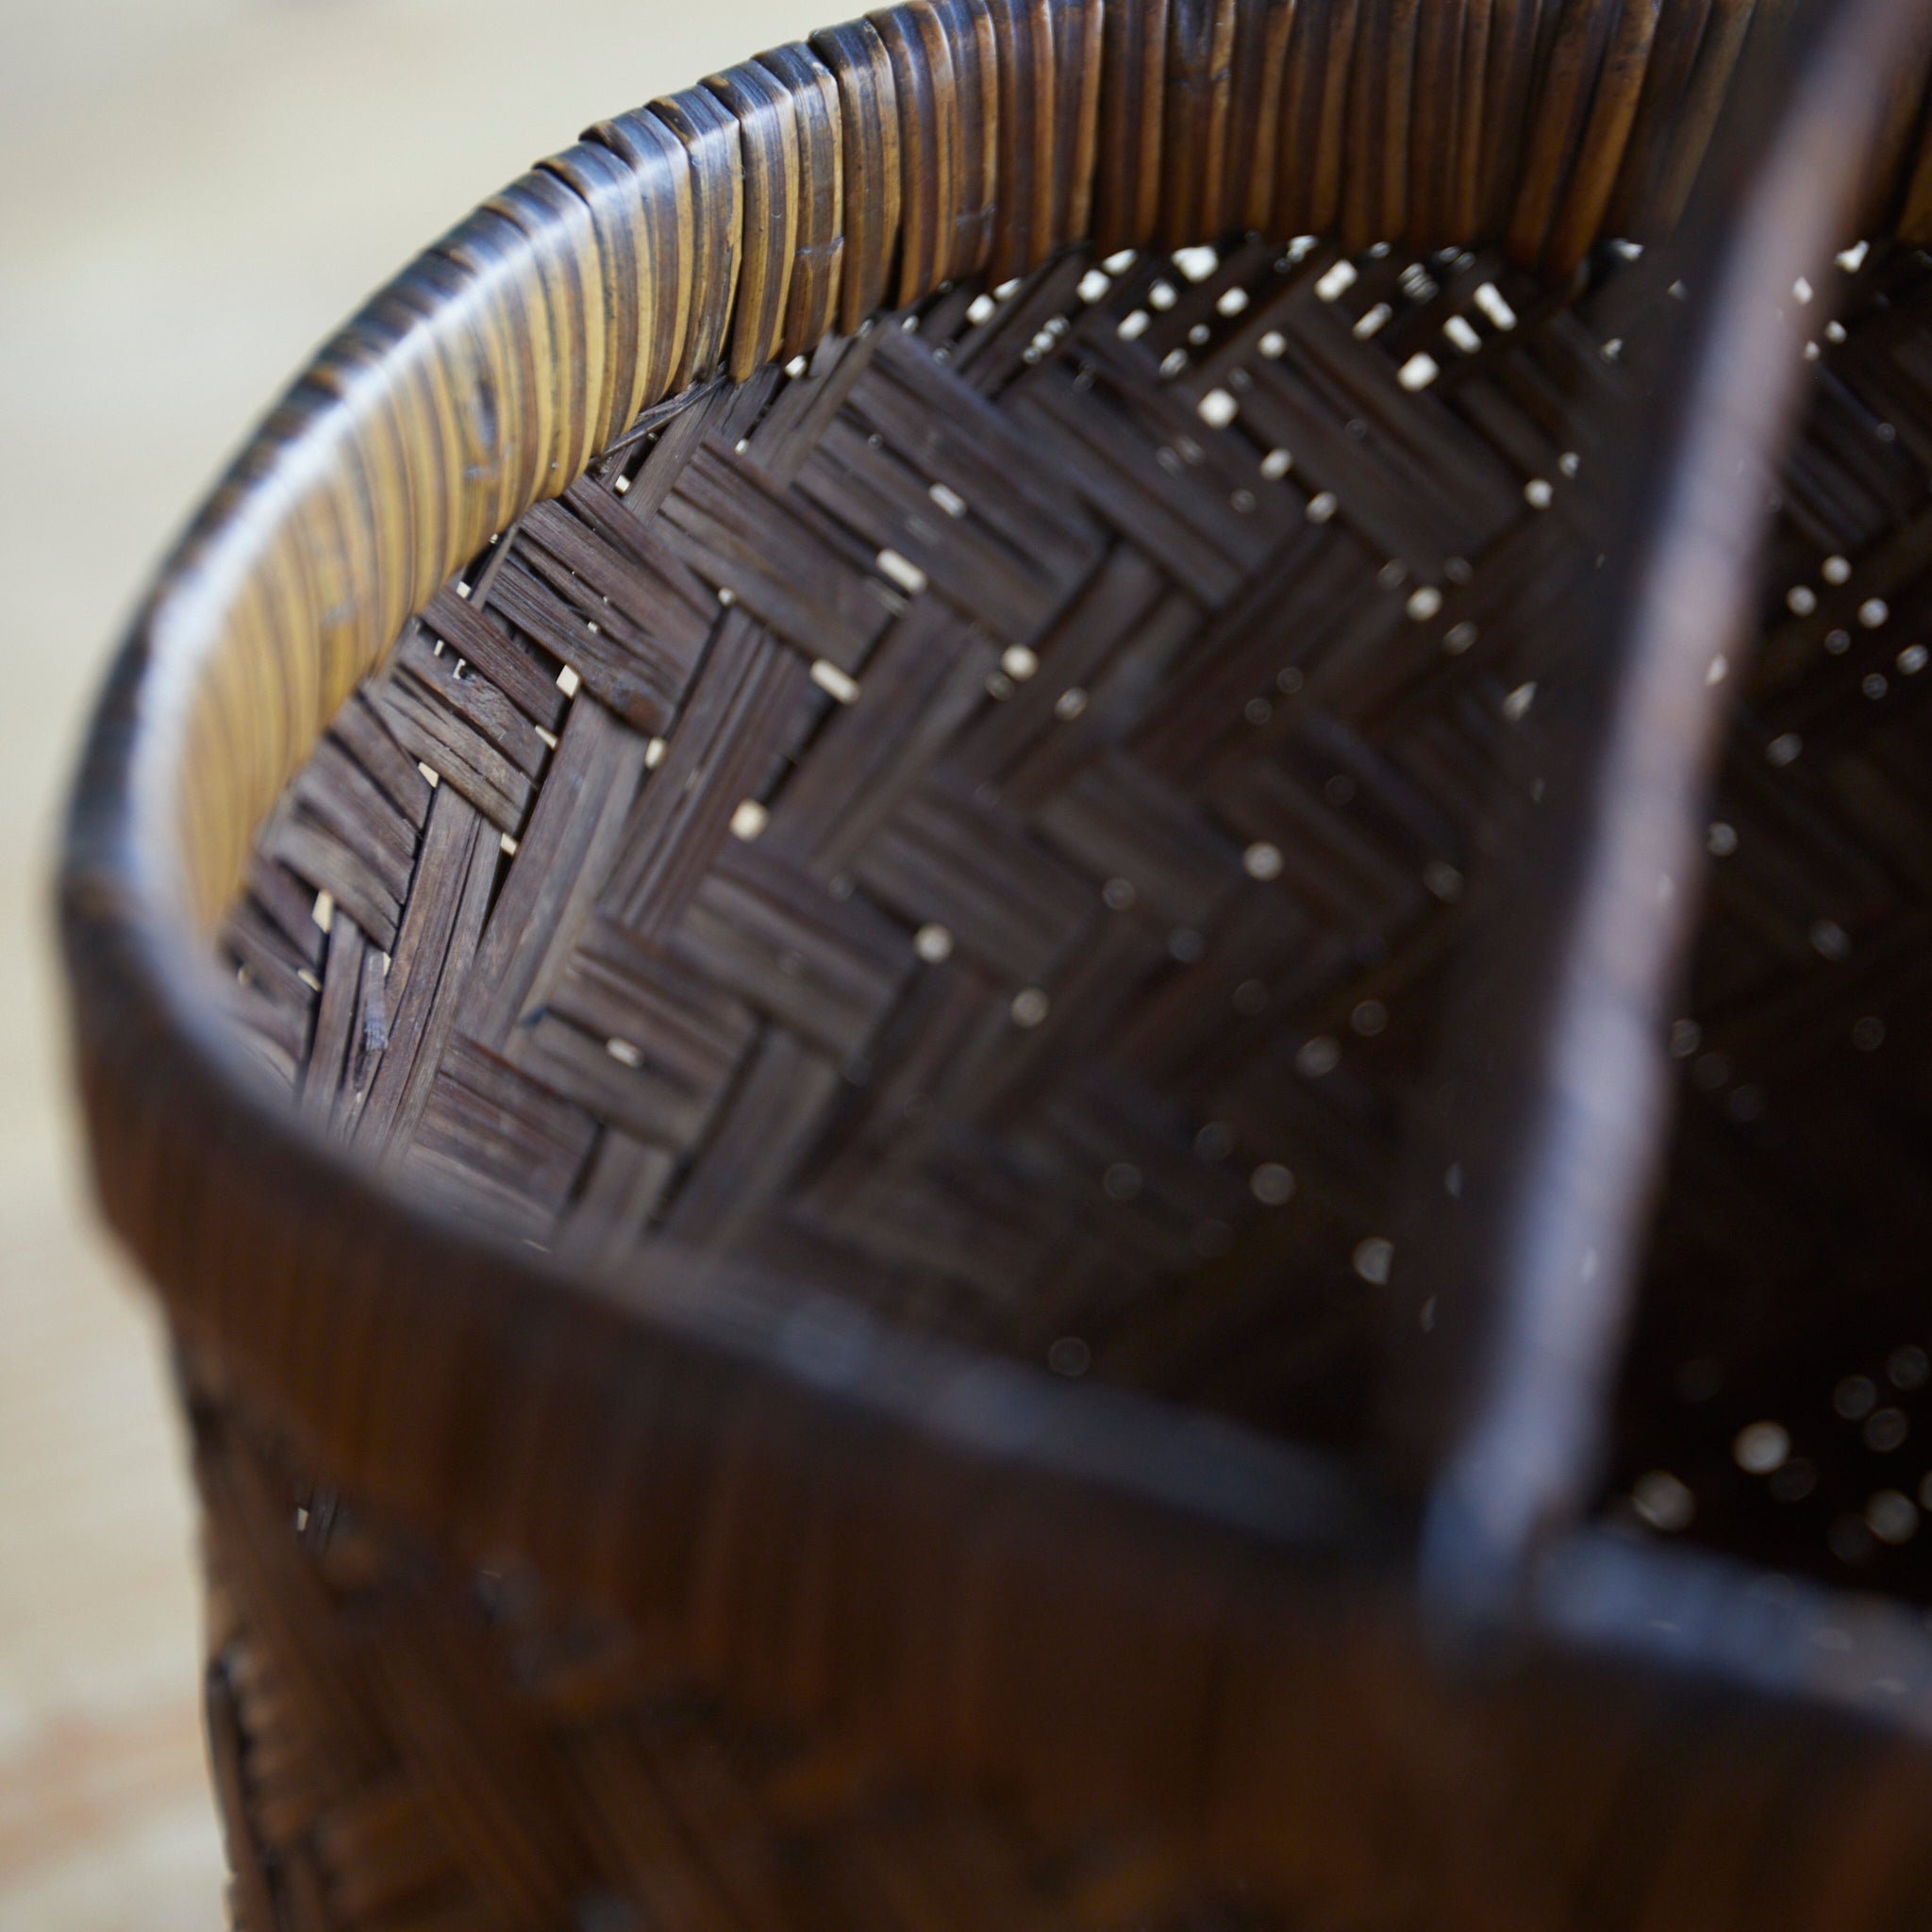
[842, 763]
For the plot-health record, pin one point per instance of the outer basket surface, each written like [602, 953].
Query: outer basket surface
[757, 924]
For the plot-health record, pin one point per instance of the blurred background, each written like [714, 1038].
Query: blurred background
[192, 193]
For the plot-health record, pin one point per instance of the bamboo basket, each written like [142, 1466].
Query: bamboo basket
[1012, 958]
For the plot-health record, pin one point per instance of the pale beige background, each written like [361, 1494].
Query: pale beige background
[191, 193]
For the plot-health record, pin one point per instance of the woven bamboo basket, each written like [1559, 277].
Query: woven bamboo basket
[1013, 961]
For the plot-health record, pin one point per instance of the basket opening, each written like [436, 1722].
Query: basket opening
[979, 819]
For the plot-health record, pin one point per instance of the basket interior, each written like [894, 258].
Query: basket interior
[979, 820]
[1774, 1399]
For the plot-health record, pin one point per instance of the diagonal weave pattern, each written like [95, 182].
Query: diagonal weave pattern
[928, 818]
[952, 883]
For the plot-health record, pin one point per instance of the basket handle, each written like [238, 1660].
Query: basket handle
[1554, 1098]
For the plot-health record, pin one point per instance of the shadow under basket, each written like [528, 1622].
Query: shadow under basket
[828, 941]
